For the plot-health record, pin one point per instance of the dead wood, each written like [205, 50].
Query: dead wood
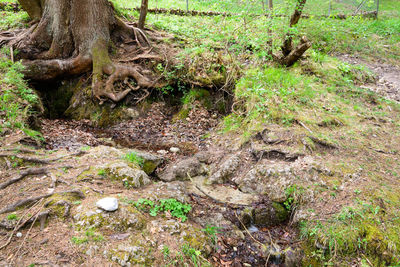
[31, 171]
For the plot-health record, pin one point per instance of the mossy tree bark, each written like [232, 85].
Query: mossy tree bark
[71, 37]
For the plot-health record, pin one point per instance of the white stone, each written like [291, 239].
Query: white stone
[19, 234]
[174, 149]
[162, 152]
[108, 204]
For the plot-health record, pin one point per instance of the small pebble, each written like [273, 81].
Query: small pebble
[174, 149]
[162, 152]
[19, 235]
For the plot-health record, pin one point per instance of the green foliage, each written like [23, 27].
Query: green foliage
[133, 157]
[16, 98]
[12, 217]
[192, 253]
[101, 172]
[89, 236]
[354, 230]
[212, 232]
[293, 194]
[174, 207]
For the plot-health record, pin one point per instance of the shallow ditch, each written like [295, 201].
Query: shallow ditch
[158, 124]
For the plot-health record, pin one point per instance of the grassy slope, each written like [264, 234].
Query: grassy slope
[322, 93]
[325, 95]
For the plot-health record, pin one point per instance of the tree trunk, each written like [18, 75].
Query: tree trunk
[72, 37]
[270, 5]
[143, 14]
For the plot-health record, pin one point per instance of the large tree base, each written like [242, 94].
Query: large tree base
[71, 39]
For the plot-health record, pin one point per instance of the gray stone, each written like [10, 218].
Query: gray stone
[108, 204]
[130, 176]
[225, 170]
[180, 170]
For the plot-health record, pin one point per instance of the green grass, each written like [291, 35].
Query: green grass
[17, 99]
[365, 229]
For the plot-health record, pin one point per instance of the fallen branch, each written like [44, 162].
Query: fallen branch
[31, 171]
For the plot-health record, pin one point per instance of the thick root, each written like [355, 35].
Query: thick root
[44, 70]
[119, 73]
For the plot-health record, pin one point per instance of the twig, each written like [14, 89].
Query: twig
[18, 226]
[247, 231]
[305, 127]
[27, 234]
[12, 54]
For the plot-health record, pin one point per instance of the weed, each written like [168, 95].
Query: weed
[192, 253]
[165, 251]
[12, 217]
[133, 157]
[212, 232]
[293, 194]
[173, 206]
[101, 172]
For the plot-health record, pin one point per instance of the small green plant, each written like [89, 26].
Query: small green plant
[85, 148]
[79, 240]
[192, 253]
[90, 235]
[101, 172]
[12, 217]
[293, 193]
[166, 252]
[212, 232]
[174, 207]
[133, 157]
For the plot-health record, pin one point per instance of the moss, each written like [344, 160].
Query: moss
[136, 251]
[197, 240]
[282, 214]
[125, 218]
[56, 202]
[149, 166]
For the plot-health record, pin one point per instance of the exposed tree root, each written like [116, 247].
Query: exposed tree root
[38, 160]
[31, 171]
[64, 42]
[33, 200]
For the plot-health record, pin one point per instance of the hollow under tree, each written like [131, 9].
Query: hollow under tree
[71, 37]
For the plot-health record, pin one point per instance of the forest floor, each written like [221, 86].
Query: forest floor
[302, 169]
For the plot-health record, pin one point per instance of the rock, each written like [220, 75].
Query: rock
[269, 214]
[130, 176]
[180, 170]
[293, 257]
[162, 152]
[225, 170]
[272, 178]
[174, 149]
[108, 204]
[150, 161]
